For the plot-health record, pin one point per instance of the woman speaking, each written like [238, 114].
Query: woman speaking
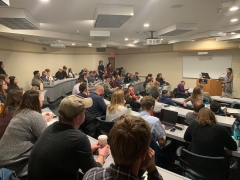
[228, 83]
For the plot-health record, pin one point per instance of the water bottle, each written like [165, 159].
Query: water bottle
[236, 134]
[207, 101]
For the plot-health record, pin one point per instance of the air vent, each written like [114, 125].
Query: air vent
[112, 16]
[180, 40]
[150, 42]
[99, 35]
[4, 3]
[177, 29]
[57, 45]
[209, 34]
[233, 38]
[18, 19]
[47, 41]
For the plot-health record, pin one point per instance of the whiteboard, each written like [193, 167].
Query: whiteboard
[213, 65]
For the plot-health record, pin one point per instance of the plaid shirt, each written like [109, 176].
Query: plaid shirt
[114, 172]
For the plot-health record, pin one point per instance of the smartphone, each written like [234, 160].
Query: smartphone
[54, 116]
[173, 129]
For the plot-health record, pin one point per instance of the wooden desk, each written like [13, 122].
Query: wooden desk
[212, 86]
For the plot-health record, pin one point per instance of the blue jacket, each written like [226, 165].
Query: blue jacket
[167, 100]
[99, 107]
[44, 78]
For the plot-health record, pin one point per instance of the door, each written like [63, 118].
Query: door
[112, 61]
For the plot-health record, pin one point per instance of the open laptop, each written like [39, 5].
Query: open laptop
[205, 75]
[168, 118]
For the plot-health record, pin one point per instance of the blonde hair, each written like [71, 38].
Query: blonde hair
[206, 117]
[129, 138]
[156, 83]
[117, 99]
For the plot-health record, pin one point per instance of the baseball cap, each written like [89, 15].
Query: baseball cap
[136, 72]
[73, 105]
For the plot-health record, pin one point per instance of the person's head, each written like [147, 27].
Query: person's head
[1, 65]
[128, 75]
[83, 87]
[131, 87]
[36, 74]
[64, 68]
[31, 101]
[155, 95]
[159, 75]
[60, 70]
[94, 73]
[149, 79]
[215, 106]
[117, 70]
[198, 105]
[206, 117]
[100, 62]
[149, 75]
[183, 83]
[117, 99]
[147, 103]
[201, 87]
[156, 83]
[112, 78]
[129, 140]
[229, 70]
[136, 73]
[5, 78]
[13, 80]
[44, 73]
[99, 90]
[118, 77]
[3, 87]
[69, 70]
[126, 92]
[196, 94]
[72, 110]
[107, 78]
[90, 73]
[47, 71]
[165, 93]
[13, 100]
[109, 65]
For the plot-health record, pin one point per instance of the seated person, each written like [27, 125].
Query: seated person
[13, 83]
[158, 106]
[116, 107]
[148, 85]
[44, 76]
[154, 87]
[196, 96]
[166, 99]
[49, 77]
[83, 90]
[59, 74]
[107, 87]
[210, 139]
[115, 73]
[192, 116]
[99, 107]
[62, 149]
[157, 129]
[3, 88]
[36, 81]
[135, 106]
[127, 78]
[96, 76]
[135, 77]
[90, 78]
[205, 95]
[118, 80]
[132, 94]
[105, 74]
[64, 72]
[75, 90]
[71, 74]
[181, 88]
[160, 79]
[216, 109]
[132, 135]
[113, 82]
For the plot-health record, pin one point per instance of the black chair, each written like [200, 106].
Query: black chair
[105, 127]
[177, 94]
[204, 167]
[14, 162]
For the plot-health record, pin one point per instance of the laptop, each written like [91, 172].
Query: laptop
[205, 75]
[168, 118]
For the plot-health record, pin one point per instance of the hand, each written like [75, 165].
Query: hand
[124, 102]
[95, 146]
[130, 97]
[231, 116]
[149, 162]
[164, 127]
[48, 117]
[104, 151]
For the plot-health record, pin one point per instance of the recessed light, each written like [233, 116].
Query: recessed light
[161, 39]
[44, 0]
[193, 40]
[126, 39]
[131, 14]
[89, 44]
[234, 20]
[233, 33]
[220, 32]
[233, 8]
[73, 44]
[146, 25]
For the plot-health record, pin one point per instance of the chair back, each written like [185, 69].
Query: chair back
[204, 167]
[235, 105]
[105, 127]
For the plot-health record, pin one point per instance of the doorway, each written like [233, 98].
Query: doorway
[112, 61]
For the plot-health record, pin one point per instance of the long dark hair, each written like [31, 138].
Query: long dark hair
[2, 91]
[230, 69]
[30, 102]
[12, 78]
[13, 100]
[196, 94]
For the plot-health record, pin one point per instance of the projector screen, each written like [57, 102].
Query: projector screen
[213, 65]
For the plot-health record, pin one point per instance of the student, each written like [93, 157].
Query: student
[76, 90]
[62, 149]
[99, 107]
[107, 87]
[113, 82]
[36, 81]
[196, 96]
[166, 99]
[181, 88]
[109, 69]
[59, 74]
[129, 140]
[23, 130]
[192, 116]
[90, 78]
[64, 72]
[49, 77]
[83, 90]
[100, 69]
[44, 76]
[134, 105]
[71, 73]
[160, 79]
[228, 83]
[127, 78]
[2, 71]
[158, 106]
[154, 87]
[148, 85]
[210, 139]
[132, 94]
[3, 94]
[158, 132]
[116, 107]
[216, 109]
[13, 83]
[135, 77]
[115, 73]
[6, 79]
[14, 99]
[205, 95]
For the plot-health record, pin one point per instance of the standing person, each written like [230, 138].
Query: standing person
[14, 99]
[36, 81]
[13, 83]
[228, 83]
[44, 76]
[3, 94]
[129, 140]
[101, 69]
[2, 71]
[23, 130]
[64, 72]
[127, 78]
[109, 69]
[160, 79]
[71, 73]
[196, 96]
[59, 74]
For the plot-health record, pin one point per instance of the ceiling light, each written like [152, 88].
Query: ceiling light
[233, 8]
[89, 44]
[73, 44]
[146, 25]
[131, 14]
[126, 39]
[220, 32]
[234, 20]
[44, 0]
[161, 39]
[233, 33]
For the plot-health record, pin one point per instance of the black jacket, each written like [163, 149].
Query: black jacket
[59, 75]
[64, 74]
[2, 71]
[135, 106]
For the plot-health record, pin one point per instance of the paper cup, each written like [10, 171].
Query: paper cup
[102, 140]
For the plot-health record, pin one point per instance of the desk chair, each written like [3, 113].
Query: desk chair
[105, 127]
[14, 162]
[177, 94]
[235, 105]
[204, 167]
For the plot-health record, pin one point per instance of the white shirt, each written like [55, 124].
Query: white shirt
[75, 90]
[158, 107]
[71, 74]
[115, 116]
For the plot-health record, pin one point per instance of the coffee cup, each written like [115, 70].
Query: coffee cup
[102, 140]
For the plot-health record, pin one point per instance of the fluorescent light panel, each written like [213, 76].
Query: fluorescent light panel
[177, 29]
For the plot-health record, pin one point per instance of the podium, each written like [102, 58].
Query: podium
[214, 87]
